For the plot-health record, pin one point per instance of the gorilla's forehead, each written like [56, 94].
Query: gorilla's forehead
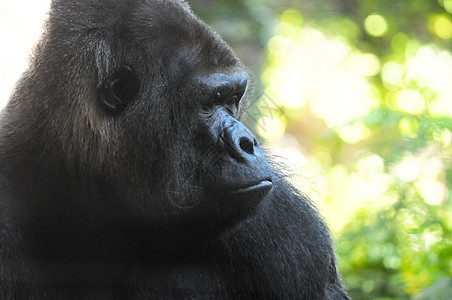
[109, 14]
[161, 13]
[167, 25]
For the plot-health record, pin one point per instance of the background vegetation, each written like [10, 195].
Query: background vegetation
[359, 94]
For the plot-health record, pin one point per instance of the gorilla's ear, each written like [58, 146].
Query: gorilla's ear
[119, 89]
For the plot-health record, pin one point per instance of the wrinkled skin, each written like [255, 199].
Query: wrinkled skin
[126, 173]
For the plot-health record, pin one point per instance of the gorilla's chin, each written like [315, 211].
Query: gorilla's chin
[238, 202]
[246, 200]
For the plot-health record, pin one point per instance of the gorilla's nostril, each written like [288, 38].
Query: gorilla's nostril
[246, 145]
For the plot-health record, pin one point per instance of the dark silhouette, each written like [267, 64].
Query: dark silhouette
[126, 174]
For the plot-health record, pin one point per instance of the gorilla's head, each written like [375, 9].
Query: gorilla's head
[137, 103]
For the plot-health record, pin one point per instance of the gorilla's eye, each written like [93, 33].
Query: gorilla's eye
[234, 99]
[119, 89]
[232, 104]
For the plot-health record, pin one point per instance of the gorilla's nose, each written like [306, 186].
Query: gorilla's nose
[247, 144]
[239, 142]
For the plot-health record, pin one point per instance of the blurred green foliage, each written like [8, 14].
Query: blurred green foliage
[362, 92]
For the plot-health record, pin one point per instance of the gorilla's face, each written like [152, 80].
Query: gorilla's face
[171, 92]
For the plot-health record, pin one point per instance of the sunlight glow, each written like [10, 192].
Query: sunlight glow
[348, 97]
[357, 189]
[425, 167]
[19, 30]
[353, 133]
[410, 101]
[431, 68]
[303, 66]
[271, 128]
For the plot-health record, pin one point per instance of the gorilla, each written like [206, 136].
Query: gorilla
[127, 174]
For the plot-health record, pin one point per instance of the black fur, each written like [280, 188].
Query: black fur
[124, 170]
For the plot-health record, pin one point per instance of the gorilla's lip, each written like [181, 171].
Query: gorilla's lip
[262, 184]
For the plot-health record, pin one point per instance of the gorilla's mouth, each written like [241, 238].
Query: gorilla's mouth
[262, 185]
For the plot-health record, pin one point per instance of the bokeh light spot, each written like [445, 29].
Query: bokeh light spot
[443, 137]
[408, 169]
[280, 46]
[371, 164]
[353, 133]
[410, 101]
[376, 25]
[442, 27]
[292, 17]
[433, 192]
[392, 262]
[291, 92]
[271, 128]
[392, 75]
[448, 5]
[399, 41]
[408, 128]
[364, 64]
